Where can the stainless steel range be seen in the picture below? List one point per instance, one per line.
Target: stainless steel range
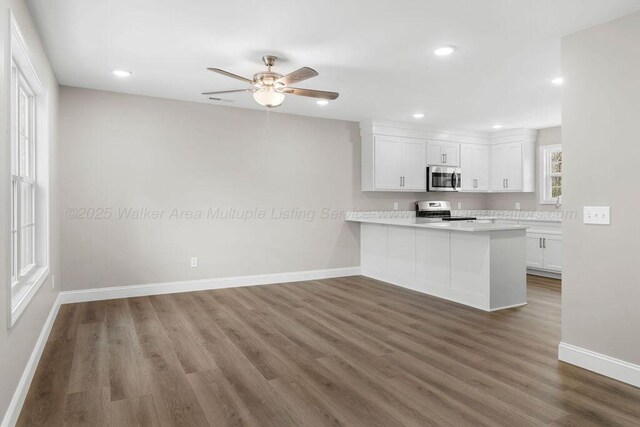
(432, 211)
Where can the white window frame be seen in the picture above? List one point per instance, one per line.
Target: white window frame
(546, 175)
(23, 284)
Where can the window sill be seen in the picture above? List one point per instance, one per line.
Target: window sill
(548, 202)
(26, 293)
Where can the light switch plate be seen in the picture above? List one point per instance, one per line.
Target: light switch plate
(517, 206)
(597, 215)
(194, 262)
(395, 206)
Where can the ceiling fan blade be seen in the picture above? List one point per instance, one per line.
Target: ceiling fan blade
(228, 91)
(228, 74)
(298, 75)
(322, 94)
(221, 99)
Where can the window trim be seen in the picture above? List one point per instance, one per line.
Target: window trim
(545, 198)
(16, 51)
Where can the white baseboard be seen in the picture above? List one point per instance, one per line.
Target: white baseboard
(15, 406)
(506, 307)
(600, 363)
(98, 294)
(544, 273)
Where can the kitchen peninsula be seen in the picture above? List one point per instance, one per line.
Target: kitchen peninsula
(482, 265)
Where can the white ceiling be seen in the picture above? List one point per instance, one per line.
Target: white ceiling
(377, 54)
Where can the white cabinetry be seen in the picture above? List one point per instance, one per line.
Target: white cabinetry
(506, 167)
(544, 252)
(513, 161)
(395, 157)
(443, 153)
(474, 162)
(399, 164)
(485, 270)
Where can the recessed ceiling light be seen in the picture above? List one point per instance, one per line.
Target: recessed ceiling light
(497, 126)
(322, 102)
(121, 73)
(418, 115)
(557, 81)
(445, 50)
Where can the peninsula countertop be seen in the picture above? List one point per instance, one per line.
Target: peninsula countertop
(410, 221)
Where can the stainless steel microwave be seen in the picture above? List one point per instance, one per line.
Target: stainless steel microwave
(443, 178)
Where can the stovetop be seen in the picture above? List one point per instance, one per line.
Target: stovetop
(432, 211)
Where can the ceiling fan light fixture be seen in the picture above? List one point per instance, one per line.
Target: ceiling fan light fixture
(268, 97)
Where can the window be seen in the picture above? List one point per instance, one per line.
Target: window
(551, 174)
(29, 223)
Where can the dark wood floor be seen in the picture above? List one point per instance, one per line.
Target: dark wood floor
(350, 351)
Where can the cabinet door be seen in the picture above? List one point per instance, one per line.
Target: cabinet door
(451, 154)
(433, 259)
(553, 253)
(480, 168)
(535, 253)
(514, 167)
(467, 158)
(387, 163)
(402, 251)
(498, 167)
(435, 153)
(414, 165)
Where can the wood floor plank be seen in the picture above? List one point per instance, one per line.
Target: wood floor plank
(192, 355)
(175, 402)
(222, 403)
(90, 367)
(134, 412)
(348, 351)
(127, 377)
(46, 399)
(87, 408)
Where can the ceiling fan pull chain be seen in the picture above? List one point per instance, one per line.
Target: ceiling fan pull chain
(268, 126)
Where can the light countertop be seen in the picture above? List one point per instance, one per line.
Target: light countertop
(444, 225)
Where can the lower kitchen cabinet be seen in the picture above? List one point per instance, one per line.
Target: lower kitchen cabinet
(544, 252)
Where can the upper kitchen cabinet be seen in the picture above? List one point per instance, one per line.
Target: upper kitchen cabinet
(474, 163)
(395, 157)
(443, 153)
(513, 161)
(399, 164)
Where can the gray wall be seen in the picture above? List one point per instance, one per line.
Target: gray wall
(132, 152)
(528, 201)
(601, 106)
(17, 343)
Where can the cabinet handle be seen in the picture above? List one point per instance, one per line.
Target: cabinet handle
(445, 158)
(507, 182)
(544, 242)
(441, 158)
(403, 181)
(540, 242)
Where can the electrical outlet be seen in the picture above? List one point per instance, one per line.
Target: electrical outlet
(395, 206)
(517, 206)
(597, 215)
(194, 262)
(459, 205)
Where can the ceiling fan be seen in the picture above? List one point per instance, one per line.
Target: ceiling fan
(269, 88)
